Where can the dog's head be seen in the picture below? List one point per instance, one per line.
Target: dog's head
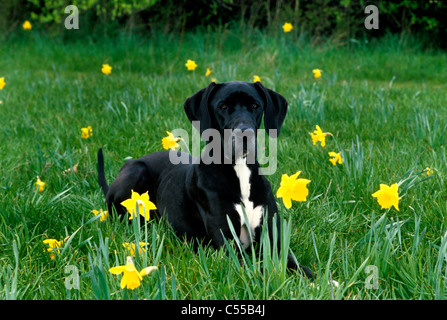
(235, 110)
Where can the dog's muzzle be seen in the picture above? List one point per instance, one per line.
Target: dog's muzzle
(240, 143)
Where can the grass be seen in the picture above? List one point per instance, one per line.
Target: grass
(384, 103)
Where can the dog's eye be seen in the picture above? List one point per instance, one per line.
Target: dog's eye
(223, 107)
(255, 106)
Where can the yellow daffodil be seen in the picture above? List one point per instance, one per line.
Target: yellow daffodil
(27, 25)
(292, 188)
(317, 73)
(103, 214)
(214, 80)
(387, 196)
(54, 245)
(256, 78)
(2, 83)
(131, 276)
(170, 142)
(191, 65)
(40, 185)
(208, 72)
(287, 27)
(140, 201)
(335, 157)
(428, 171)
(86, 132)
(106, 69)
(319, 136)
(131, 247)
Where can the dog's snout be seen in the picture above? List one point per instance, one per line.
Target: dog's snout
(243, 131)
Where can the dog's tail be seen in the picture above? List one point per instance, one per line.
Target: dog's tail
(101, 174)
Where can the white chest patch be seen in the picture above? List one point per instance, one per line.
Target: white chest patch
(254, 214)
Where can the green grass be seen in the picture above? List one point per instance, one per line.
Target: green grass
(384, 103)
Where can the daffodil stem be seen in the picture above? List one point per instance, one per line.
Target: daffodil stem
(126, 294)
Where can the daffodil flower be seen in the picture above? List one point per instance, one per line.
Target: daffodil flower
(106, 69)
(208, 72)
(103, 214)
(2, 83)
(335, 157)
(292, 188)
(86, 132)
(317, 73)
(40, 185)
(190, 65)
(141, 202)
(287, 27)
(54, 245)
(256, 78)
(27, 25)
(319, 136)
(387, 196)
(428, 171)
(170, 142)
(131, 247)
(131, 276)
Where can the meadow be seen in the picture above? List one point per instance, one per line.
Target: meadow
(383, 101)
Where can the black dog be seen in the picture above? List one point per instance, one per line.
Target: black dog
(197, 197)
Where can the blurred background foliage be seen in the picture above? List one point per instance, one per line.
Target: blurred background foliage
(320, 20)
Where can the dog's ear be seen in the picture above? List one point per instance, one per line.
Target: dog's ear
(196, 107)
(275, 108)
